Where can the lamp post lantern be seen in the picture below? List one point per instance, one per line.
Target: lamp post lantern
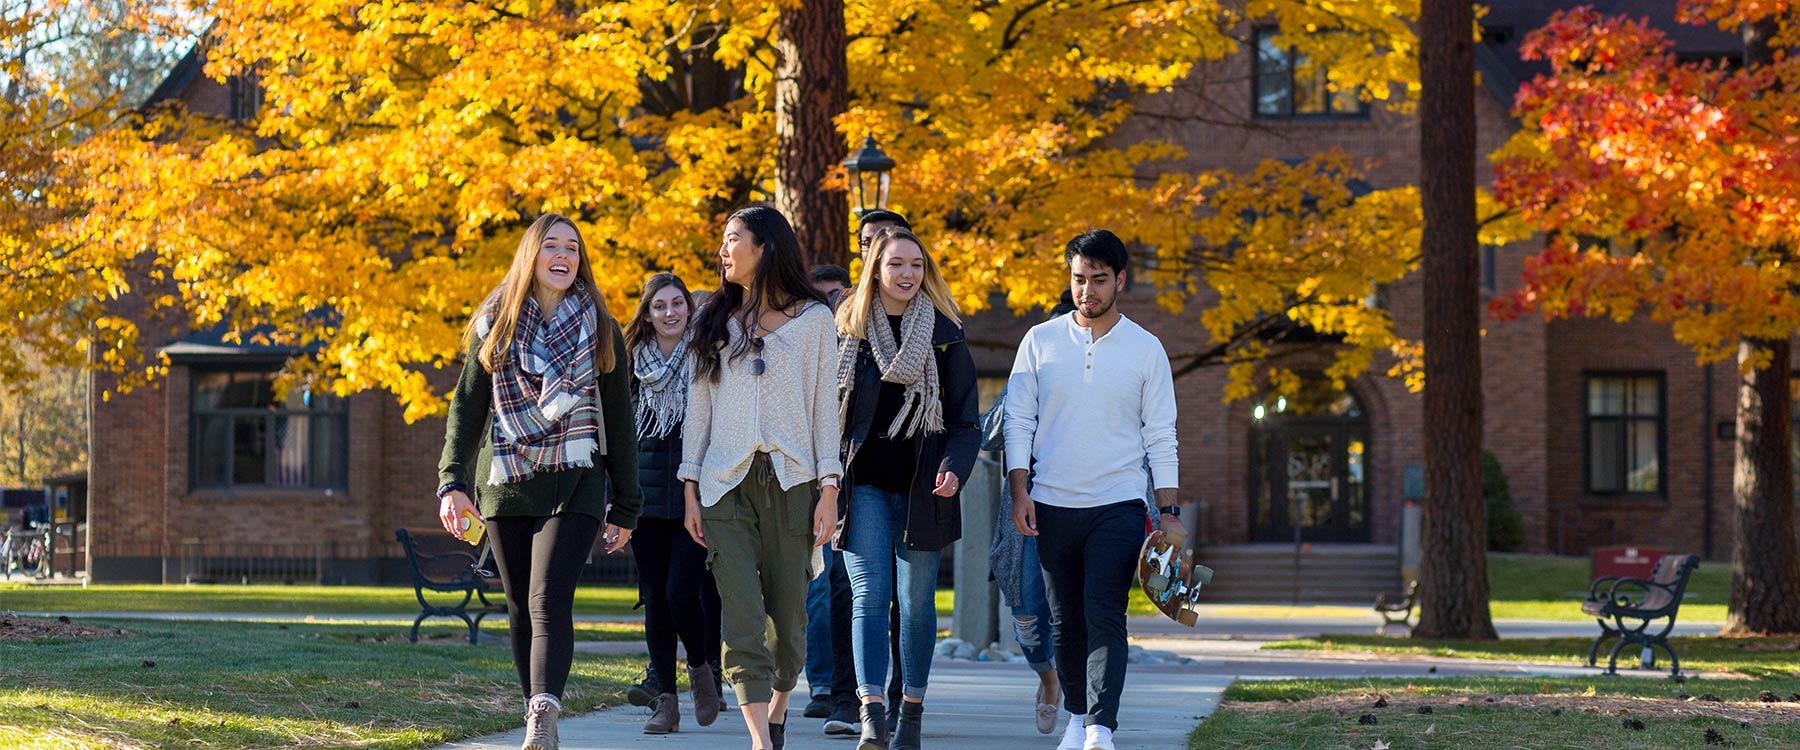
(868, 170)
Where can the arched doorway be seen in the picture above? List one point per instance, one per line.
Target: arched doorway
(1309, 466)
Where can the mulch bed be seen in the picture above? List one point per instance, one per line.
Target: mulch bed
(14, 628)
(1782, 709)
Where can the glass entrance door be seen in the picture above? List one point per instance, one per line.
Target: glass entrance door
(1311, 473)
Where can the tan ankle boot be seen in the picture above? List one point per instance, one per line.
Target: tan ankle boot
(665, 716)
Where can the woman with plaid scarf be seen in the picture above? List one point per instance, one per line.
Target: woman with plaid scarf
(541, 428)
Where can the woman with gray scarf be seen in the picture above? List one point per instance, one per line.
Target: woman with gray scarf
(680, 597)
(907, 395)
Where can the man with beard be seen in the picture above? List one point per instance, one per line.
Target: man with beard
(1090, 405)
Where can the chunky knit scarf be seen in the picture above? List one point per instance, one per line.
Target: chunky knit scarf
(910, 362)
(546, 409)
(662, 387)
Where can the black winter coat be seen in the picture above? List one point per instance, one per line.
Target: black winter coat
(658, 460)
(932, 522)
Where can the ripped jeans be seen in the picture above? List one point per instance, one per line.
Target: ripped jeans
(1031, 620)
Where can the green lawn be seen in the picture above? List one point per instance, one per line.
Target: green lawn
(1758, 657)
(1541, 588)
(1468, 712)
(261, 599)
(262, 685)
(1546, 588)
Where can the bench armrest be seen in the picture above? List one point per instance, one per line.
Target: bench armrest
(1632, 592)
(1599, 584)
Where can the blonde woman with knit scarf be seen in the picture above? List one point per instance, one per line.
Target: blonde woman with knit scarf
(540, 428)
(907, 396)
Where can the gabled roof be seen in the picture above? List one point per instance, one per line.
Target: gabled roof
(180, 77)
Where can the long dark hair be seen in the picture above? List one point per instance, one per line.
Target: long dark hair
(640, 329)
(780, 283)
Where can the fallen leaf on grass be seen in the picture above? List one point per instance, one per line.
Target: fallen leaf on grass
(1379, 745)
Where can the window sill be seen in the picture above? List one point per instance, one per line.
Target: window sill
(1624, 500)
(1327, 120)
(255, 494)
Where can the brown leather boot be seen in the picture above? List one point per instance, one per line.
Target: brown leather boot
(665, 715)
(706, 695)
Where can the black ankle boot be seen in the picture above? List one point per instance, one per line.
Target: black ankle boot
(778, 733)
(906, 736)
(874, 728)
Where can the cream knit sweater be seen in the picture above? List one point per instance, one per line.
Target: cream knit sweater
(789, 412)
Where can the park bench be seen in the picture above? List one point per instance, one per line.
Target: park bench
(452, 571)
(1634, 605)
(1396, 609)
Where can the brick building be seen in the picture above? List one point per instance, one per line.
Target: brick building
(1608, 433)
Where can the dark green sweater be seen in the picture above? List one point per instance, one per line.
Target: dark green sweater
(470, 431)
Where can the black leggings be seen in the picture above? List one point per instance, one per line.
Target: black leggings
(681, 599)
(540, 558)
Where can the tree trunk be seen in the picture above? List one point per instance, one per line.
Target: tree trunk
(1765, 565)
(811, 90)
(1453, 584)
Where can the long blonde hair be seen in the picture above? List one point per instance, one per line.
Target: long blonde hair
(507, 301)
(853, 311)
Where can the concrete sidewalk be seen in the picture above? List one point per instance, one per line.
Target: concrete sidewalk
(971, 705)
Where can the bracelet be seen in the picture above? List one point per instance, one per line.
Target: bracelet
(447, 487)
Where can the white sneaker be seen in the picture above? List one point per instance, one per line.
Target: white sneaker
(1074, 734)
(1098, 738)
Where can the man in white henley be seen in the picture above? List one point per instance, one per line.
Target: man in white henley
(1090, 403)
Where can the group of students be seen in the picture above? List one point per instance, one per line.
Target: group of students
(717, 439)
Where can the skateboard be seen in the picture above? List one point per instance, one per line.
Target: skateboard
(1168, 575)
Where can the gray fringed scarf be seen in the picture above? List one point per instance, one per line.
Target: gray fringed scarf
(662, 387)
(909, 362)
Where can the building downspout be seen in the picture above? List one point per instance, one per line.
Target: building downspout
(1709, 440)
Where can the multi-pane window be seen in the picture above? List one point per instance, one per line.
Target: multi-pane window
(1286, 86)
(243, 436)
(1625, 423)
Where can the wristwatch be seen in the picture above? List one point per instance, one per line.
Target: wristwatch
(1170, 510)
(829, 481)
(448, 486)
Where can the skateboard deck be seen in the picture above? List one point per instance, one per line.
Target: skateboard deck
(1169, 577)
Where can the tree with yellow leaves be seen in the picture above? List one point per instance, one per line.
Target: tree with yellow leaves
(400, 148)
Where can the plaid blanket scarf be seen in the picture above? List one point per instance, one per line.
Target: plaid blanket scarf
(546, 408)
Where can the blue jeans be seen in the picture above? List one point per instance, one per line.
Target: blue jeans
(818, 630)
(878, 561)
(1031, 619)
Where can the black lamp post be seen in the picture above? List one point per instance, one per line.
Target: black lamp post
(868, 170)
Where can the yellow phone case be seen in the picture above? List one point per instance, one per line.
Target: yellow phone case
(473, 528)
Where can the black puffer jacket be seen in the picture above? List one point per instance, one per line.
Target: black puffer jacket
(658, 458)
(932, 522)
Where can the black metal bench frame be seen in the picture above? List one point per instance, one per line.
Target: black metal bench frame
(469, 582)
(1618, 599)
(1396, 609)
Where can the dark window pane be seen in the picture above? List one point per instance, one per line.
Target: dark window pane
(1645, 468)
(250, 450)
(290, 443)
(1272, 76)
(211, 450)
(1646, 397)
(1606, 448)
(1606, 396)
(1311, 95)
(249, 390)
(327, 451)
(209, 389)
